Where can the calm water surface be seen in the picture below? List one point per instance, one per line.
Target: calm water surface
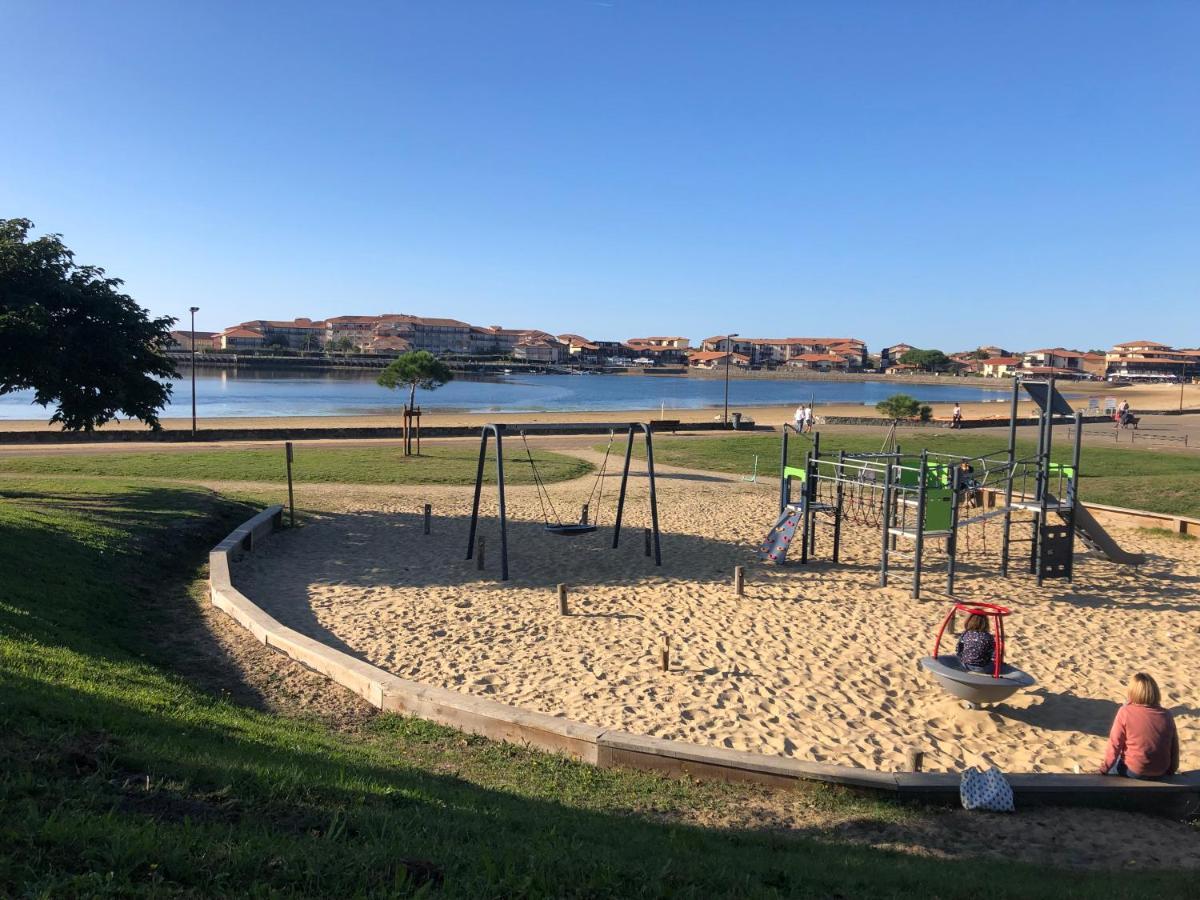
(262, 392)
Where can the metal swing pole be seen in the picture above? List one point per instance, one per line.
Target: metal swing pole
(483, 436)
(653, 495)
(624, 482)
(503, 516)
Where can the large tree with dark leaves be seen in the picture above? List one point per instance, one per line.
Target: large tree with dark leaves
(69, 334)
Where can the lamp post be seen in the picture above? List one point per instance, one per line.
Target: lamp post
(193, 310)
(728, 356)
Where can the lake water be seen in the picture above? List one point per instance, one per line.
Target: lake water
(261, 392)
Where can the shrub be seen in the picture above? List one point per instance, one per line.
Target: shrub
(898, 406)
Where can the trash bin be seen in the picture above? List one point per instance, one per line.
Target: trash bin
(736, 419)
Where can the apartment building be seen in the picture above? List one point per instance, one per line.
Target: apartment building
(1001, 366)
(238, 338)
(717, 359)
(1151, 361)
(663, 350)
(298, 334)
(779, 351)
(205, 340)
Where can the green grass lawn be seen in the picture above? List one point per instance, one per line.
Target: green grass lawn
(374, 465)
(119, 778)
(1140, 479)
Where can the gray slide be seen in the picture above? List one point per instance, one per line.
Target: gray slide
(1092, 534)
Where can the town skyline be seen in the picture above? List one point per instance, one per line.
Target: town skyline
(621, 169)
(390, 335)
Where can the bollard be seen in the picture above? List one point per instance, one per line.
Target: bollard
(666, 653)
(583, 515)
(915, 760)
(647, 536)
(479, 553)
(739, 580)
(428, 512)
(562, 600)
(291, 497)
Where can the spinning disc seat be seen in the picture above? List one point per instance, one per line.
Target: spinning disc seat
(976, 687)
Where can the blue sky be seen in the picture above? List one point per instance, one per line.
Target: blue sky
(939, 173)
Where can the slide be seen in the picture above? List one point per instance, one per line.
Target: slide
(779, 538)
(1094, 536)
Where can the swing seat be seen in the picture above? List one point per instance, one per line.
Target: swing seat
(571, 529)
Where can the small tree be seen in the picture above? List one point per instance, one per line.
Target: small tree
(898, 406)
(415, 369)
(71, 336)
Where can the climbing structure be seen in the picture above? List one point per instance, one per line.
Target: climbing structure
(916, 498)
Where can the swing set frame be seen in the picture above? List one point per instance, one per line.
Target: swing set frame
(499, 430)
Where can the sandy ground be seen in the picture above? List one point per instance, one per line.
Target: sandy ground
(814, 662)
(1164, 397)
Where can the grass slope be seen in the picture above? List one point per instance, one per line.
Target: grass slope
(375, 465)
(1140, 479)
(117, 778)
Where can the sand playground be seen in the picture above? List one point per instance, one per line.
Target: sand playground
(815, 662)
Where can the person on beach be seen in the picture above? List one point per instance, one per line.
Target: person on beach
(1123, 414)
(956, 417)
(798, 418)
(808, 419)
(1143, 742)
(976, 650)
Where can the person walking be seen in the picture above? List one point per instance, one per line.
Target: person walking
(956, 417)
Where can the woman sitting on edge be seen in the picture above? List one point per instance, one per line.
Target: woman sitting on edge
(976, 650)
(1143, 742)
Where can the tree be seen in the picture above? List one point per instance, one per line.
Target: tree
(929, 360)
(415, 369)
(71, 336)
(898, 406)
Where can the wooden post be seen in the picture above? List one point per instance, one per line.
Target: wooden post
(291, 496)
(916, 759)
(428, 513)
(666, 653)
(479, 553)
(562, 600)
(739, 580)
(647, 536)
(583, 515)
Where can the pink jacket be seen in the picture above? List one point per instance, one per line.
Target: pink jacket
(1145, 737)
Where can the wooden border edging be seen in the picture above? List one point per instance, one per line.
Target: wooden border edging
(605, 748)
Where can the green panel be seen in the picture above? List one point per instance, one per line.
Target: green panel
(937, 509)
(793, 472)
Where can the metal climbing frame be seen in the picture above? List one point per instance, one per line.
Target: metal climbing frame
(499, 430)
(920, 497)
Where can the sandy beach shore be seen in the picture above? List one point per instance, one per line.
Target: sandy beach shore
(814, 662)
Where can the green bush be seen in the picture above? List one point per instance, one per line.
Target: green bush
(898, 406)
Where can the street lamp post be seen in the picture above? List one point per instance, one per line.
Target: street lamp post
(193, 310)
(728, 357)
